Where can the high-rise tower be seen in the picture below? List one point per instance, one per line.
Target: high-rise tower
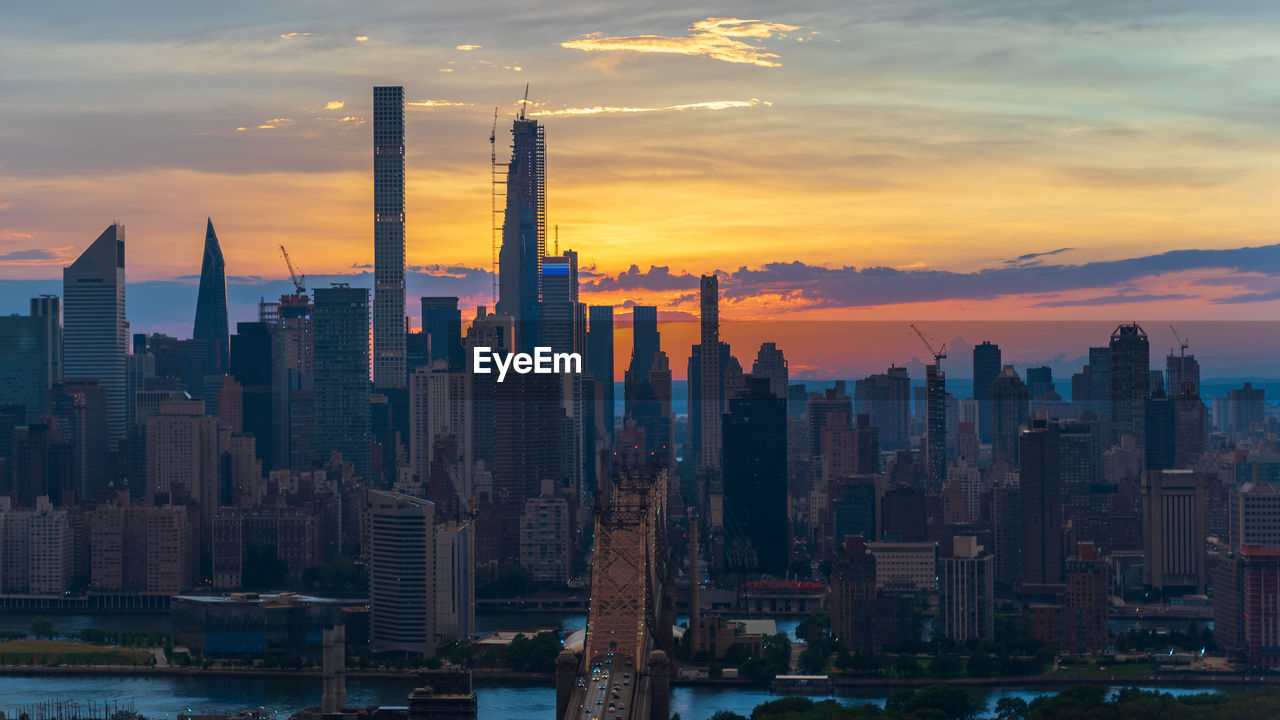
(211, 305)
(341, 336)
(524, 230)
(95, 331)
(389, 368)
(1130, 381)
(986, 366)
(709, 375)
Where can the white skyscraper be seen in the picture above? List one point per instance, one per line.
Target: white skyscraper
(95, 331)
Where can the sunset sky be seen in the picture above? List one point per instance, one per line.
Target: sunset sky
(831, 159)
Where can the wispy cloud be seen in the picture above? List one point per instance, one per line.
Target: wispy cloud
(609, 109)
(468, 48)
(7, 234)
(1034, 258)
(295, 35)
(729, 40)
(436, 103)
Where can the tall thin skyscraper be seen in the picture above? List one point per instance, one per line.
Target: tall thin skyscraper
(211, 305)
(1041, 480)
(558, 308)
(1010, 409)
(986, 366)
(709, 376)
(95, 330)
(1130, 382)
(389, 367)
(524, 230)
(442, 323)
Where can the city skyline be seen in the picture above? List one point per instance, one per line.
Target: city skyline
(1078, 210)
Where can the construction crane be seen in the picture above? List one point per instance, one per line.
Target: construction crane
(524, 103)
(494, 180)
(938, 355)
(297, 279)
(1183, 343)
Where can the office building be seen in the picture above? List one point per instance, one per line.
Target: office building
(389, 369)
(966, 592)
(402, 577)
(1039, 381)
(546, 537)
(771, 364)
(1180, 370)
(558, 309)
(211, 306)
(986, 366)
(906, 567)
(600, 361)
(1077, 623)
(863, 617)
(49, 309)
(95, 330)
(1040, 492)
(886, 399)
(1010, 409)
(709, 377)
(1254, 515)
(1159, 429)
(755, 472)
(24, 364)
(1130, 381)
(1173, 531)
(442, 326)
(340, 326)
(182, 456)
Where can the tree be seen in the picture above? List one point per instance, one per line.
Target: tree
(1011, 708)
(42, 627)
(952, 702)
(814, 628)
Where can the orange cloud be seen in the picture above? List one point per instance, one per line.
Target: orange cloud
(467, 48)
(608, 109)
(295, 35)
(334, 105)
(723, 39)
(436, 103)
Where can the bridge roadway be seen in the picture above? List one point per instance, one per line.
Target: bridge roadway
(610, 690)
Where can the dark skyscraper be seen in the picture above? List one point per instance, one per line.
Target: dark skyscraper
(755, 470)
(986, 366)
(1039, 381)
(524, 230)
(95, 330)
(1158, 423)
(1010, 407)
(1130, 381)
(442, 324)
(389, 356)
(340, 325)
(935, 383)
(251, 366)
(557, 310)
(49, 309)
(886, 398)
(600, 359)
(211, 305)
(1041, 496)
(709, 377)
(1181, 369)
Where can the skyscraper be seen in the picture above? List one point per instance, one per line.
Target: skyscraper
(389, 369)
(755, 462)
(95, 330)
(341, 329)
(709, 375)
(1041, 494)
(524, 230)
(771, 364)
(935, 383)
(557, 310)
(1130, 381)
(24, 365)
(1010, 407)
(1180, 369)
(49, 309)
(886, 398)
(986, 366)
(211, 305)
(442, 323)
(402, 583)
(600, 359)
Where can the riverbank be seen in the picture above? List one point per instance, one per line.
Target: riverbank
(482, 676)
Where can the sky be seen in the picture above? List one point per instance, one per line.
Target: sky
(830, 159)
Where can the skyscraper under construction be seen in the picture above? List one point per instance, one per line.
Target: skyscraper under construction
(524, 230)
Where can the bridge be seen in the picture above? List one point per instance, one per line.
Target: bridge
(623, 671)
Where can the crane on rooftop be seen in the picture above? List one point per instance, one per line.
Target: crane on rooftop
(297, 279)
(1183, 343)
(938, 355)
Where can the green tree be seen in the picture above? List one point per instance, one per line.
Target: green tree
(1011, 708)
(41, 627)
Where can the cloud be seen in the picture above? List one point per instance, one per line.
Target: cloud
(609, 109)
(334, 105)
(655, 278)
(295, 35)
(7, 234)
(34, 257)
(436, 103)
(468, 48)
(362, 38)
(1024, 259)
(805, 286)
(726, 39)
(1116, 299)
